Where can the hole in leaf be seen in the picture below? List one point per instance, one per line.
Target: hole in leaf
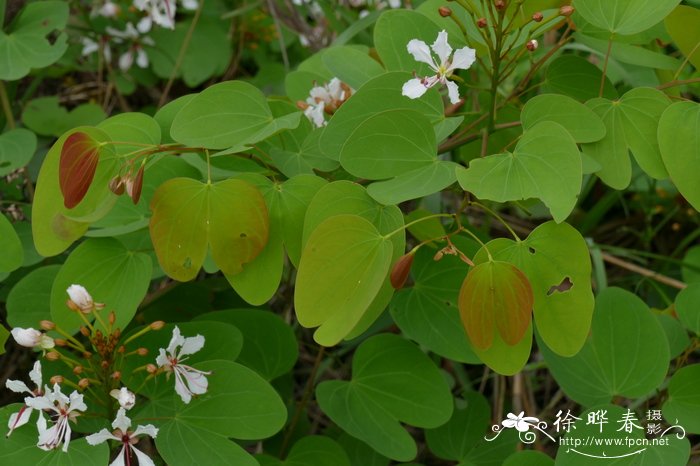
(562, 287)
(531, 249)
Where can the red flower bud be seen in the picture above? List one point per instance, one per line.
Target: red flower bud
(399, 273)
(481, 22)
(537, 17)
(444, 11)
(566, 10)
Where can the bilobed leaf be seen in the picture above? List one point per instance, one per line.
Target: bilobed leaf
(17, 147)
(388, 144)
(45, 116)
(626, 353)
(624, 17)
(53, 225)
(342, 268)
(631, 124)
(393, 31)
(25, 46)
(683, 403)
(556, 260)
(681, 24)
(545, 164)
(578, 78)
(415, 183)
(190, 216)
(495, 296)
(392, 382)
(507, 359)
(679, 142)
(12, 252)
(312, 450)
(112, 274)
(576, 118)
(76, 170)
(138, 129)
(222, 116)
(351, 66)
(687, 307)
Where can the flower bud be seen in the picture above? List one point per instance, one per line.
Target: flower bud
(125, 398)
(85, 331)
(116, 185)
(80, 299)
(60, 342)
(104, 364)
(116, 375)
(481, 23)
(112, 318)
(87, 354)
(151, 368)
(399, 272)
(499, 4)
(121, 349)
(444, 12)
(566, 10)
(537, 17)
(77, 370)
(157, 325)
(56, 379)
(142, 351)
(83, 383)
(53, 356)
(532, 45)
(47, 325)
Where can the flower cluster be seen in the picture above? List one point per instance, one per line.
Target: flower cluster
(104, 352)
(324, 100)
(444, 67)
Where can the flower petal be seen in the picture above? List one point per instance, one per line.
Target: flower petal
(119, 459)
(28, 337)
(441, 48)
(463, 58)
(452, 91)
(125, 398)
(101, 437)
(19, 419)
(421, 52)
(148, 429)
(141, 58)
(76, 402)
(35, 374)
(162, 359)
(196, 380)
(17, 386)
(121, 422)
(413, 88)
(143, 458)
(191, 345)
(181, 389)
(175, 341)
(39, 402)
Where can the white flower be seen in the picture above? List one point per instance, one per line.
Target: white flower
(17, 386)
(125, 398)
(171, 360)
(108, 9)
(80, 298)
(30, 338)
(64, 409)
(462, 59)
(135, 50)
(521, 422)
(127, 438)
(161, 12)
(326, 99)
(90, 46)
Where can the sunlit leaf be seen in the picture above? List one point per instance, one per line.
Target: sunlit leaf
(624, 17)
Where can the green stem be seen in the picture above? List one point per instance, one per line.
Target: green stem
(497, 217)
(605, 67)
(478, 240)
(410, 224)
(6, 108)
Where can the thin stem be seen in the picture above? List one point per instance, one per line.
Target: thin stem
(6, 108)
(478, 240)
(605, 67)
(685, 62)
(181, 54)
(672, 282)
(206, 151)
(497, 217)
(303, 402)
(418, 220)
(678, 83)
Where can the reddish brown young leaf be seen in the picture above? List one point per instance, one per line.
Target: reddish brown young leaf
(399, 273)
(495, 295)
(79, 156)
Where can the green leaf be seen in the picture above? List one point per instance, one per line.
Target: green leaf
(545, 165)
(313, 450)
(392, 382)
(351, 66)
(341, 270)
(632, 54)
(631, 126)
(427, 312)
(297, 84)
(676, 335)
(20, 448)
(167, 113)
(195, 67)
(46, 117)
(25, 46)
(17, 148)
(687, 307)
(690, 271)
(576, 118)
(681, 24)
(414, 184)
(388, 144)
(12, 252)
(189, 216)
(464, 431)
(578, 78)
(222, 116)
(270, 346)
(556, 260)
(495, 297)
(624, 17)
(679, 142)
(183, 444)
(360, 453)
(29, 301)
(626, 354)
(54, 227)
(137, 128)
(683, 403)
(377, 95)
(393, 31)
(112, 274)
(529, 458)
(506, 359)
